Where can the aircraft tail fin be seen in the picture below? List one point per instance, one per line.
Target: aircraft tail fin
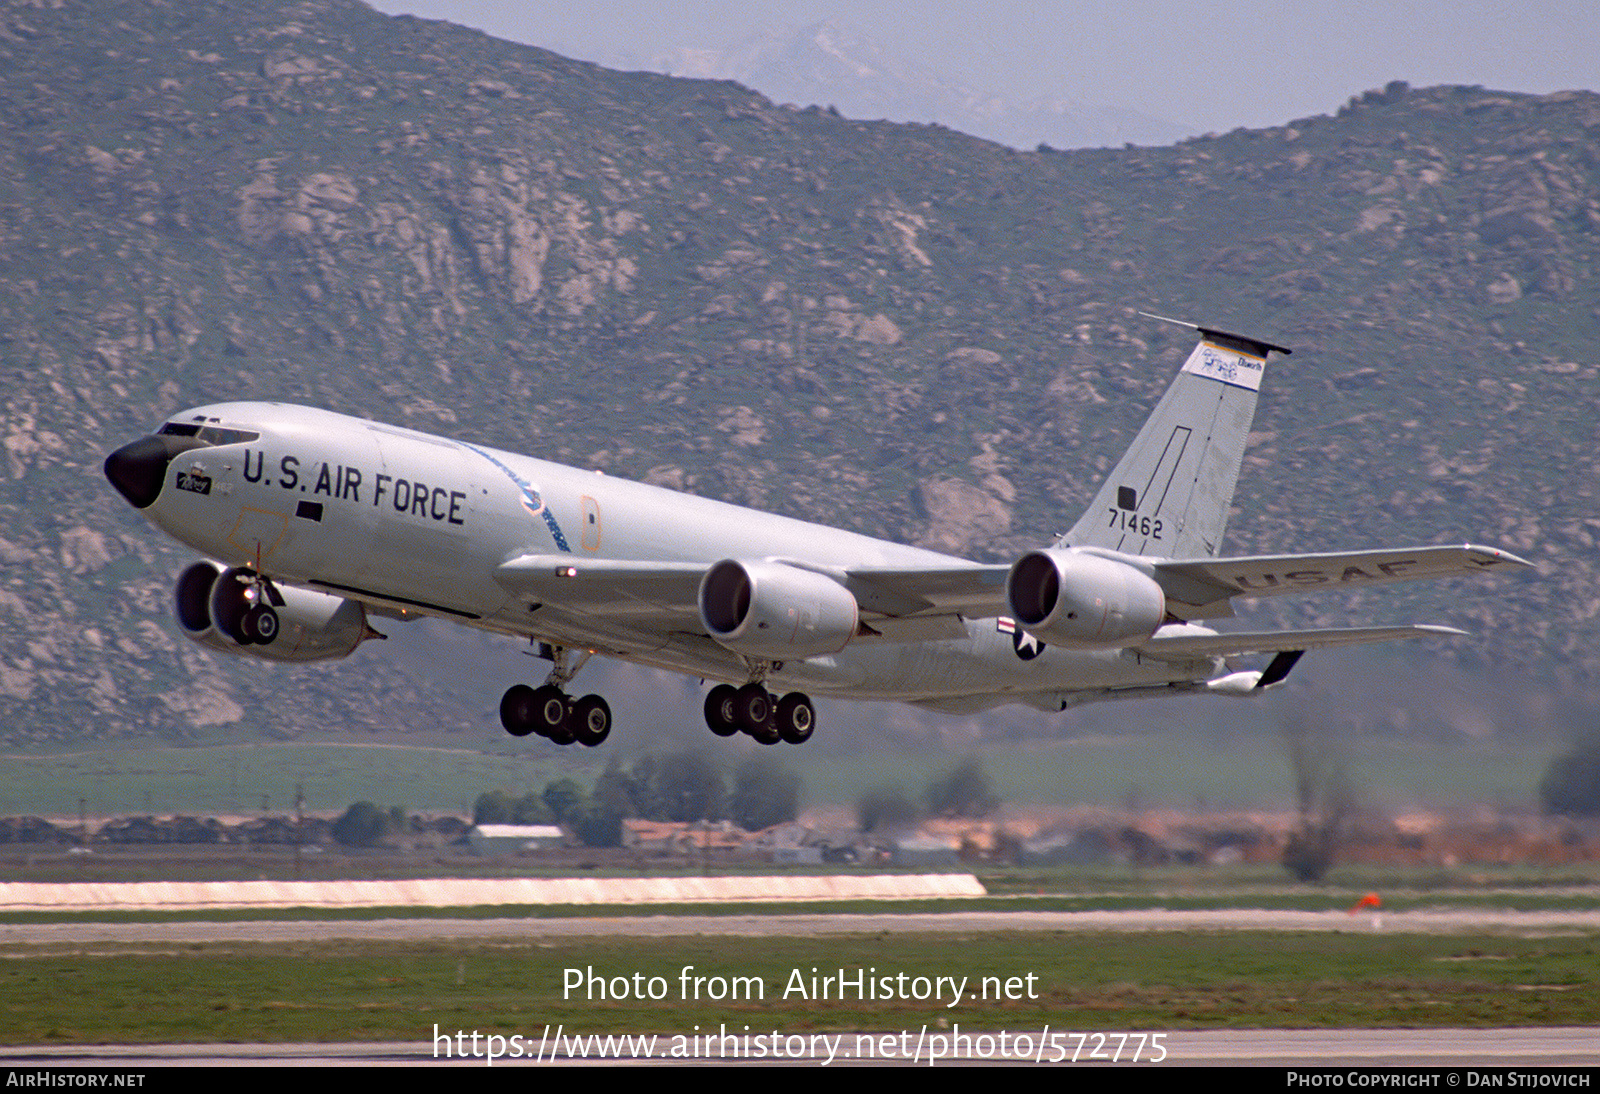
(1169, 494)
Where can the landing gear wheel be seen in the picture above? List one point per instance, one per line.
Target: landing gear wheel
(516, 710)
(590, 720)
(795, 718)
(260, 624)
(550, 706)
(720, 710)
(752, 709)
(230, 606)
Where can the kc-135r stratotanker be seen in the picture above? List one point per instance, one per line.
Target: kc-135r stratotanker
(312, 522)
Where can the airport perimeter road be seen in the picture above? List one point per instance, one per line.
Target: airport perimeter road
(660, 926)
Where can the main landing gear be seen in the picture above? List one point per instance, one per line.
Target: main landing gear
(756, 711)
(558, 717)
(551, 712)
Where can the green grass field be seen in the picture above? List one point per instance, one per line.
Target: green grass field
(379, 991)
(1147, 768)
(82, 993)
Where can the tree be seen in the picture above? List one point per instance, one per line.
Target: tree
(362, 825)
(494, 807)
(643, 784)
(964, 791)
(560, 797)
(615, 790)
(532, 808)
(596, 824)
(765, 792)
(679, 786)
(1571, 784)
(691, 787)
(884, 809)
(1323, 795)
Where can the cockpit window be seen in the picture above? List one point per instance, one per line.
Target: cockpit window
(210, 434)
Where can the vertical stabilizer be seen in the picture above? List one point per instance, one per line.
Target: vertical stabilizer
(1169, 494)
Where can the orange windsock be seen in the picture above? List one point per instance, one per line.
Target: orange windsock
(1371, 900)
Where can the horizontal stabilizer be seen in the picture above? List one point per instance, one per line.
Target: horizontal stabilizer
(1200, 588)
(1243, 343)
(1226, 645)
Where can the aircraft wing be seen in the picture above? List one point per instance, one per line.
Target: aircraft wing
(665, 595)
(901, 604)
(1183, 646)
(1202, 587)
(662, 595)
(970, 590)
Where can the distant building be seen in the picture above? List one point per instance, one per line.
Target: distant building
(511, 839)
(720, 838)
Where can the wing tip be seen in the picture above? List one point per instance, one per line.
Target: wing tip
(1488, 557)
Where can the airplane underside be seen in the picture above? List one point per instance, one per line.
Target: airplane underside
(770, 702)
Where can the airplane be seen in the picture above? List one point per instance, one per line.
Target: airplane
(312, 523)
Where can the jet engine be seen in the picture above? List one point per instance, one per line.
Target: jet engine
(228, 610)
(775, 611)
(1083, 601)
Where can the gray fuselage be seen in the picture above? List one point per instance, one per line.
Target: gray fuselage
(405, 520)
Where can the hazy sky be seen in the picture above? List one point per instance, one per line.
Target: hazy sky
(1210, 66)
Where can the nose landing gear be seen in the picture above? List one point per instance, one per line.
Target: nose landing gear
(243, 603)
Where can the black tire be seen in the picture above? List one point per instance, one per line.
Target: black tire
(516, 710)
(752, 709)
(796, 718)
(260, 624)
(590, 720)
(551, 708)
(229, 608)
(720, 710)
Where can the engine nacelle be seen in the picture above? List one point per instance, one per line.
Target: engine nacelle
(1083, 601)
(211, 602)
(774, 611)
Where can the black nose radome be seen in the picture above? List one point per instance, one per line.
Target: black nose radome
(137, 470)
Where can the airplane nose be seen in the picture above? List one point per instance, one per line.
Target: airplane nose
(138, 470)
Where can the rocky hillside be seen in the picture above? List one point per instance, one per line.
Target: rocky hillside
(896, 329)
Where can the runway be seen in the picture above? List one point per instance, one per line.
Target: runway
(757, 926)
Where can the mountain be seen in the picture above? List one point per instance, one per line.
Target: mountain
(828, 64)
(892, 328)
